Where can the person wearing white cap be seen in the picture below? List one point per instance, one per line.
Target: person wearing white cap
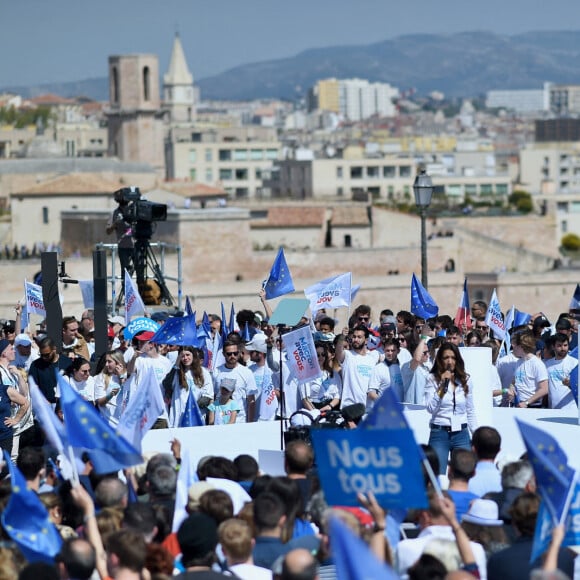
(24, 354)
(267, 399)
(482, 524)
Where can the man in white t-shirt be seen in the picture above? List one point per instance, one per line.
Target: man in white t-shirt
(388, 372)
(232, 373)
(559, 368)
(267, 399)
(357, 365)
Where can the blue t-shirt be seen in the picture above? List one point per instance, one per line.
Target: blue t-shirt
(461, 499)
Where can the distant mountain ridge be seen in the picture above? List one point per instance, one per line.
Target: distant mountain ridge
(461, 64)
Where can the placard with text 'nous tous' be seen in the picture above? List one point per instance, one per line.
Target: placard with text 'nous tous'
(386, 462)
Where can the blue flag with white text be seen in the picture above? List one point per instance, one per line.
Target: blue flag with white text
(422, 304)
(27, 522)
(279, 281)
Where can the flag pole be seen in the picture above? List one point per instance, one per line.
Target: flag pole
(569, 499)
(75, 481)
(432, 477)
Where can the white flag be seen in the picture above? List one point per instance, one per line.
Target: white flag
(134, 305)
(88, 292)
(144, 407)
(301, 354)
(34, 299)
(493, 317)
(330, 293)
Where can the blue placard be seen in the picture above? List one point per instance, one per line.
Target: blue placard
(386, 462)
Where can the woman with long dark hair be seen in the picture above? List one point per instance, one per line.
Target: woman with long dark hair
(78, 375)
(449, 399)
(189, 376)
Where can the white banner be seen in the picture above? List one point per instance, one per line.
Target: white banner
(134, 305)
(301, 354)
(330, 293)
(144, 407)
(34, 299)
(494, 319)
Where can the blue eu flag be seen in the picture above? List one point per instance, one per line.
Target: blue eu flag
(86, 428)
(177, 331)
(26, 520)
(279, 281)
(554, 477)
(422, 304)
(188, 308)
(192, 415)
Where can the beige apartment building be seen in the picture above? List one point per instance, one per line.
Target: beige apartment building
(550, 172)
(234, 159)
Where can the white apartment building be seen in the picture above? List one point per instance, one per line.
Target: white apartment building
(520, 101)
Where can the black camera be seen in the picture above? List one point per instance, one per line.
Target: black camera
(137, 209)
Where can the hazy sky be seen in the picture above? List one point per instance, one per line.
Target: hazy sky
(64, 40)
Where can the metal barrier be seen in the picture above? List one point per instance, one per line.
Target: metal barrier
(161, 249)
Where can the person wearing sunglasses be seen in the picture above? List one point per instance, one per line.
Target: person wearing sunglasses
(238, 380)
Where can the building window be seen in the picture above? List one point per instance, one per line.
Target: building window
(225, 155)
(405, 171)
(225, 174)
(258, 173)
(70, 148)
(356, 172)
(192, 174)
(196, 137)
(486, 189)
(242, 192)
(257, 154)
(339, 172)
(339, 191)
(470, 189)
(208, 155)
(192, 155)
(564, 226)
(389, 171)
(45, 215)
(348, 241)
(241, 174)
(240, 155)
(375, 192)
(146, 83)
(562, 206)
(208, 175)
(501, 188)
(391, 191)
(271, 153)
(373, 172)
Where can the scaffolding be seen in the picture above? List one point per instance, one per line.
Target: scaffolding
(161, 249)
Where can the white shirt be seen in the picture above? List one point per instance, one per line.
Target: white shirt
(560, 395)
(454, 409)
(356, 374)
(530, 372)
(117, 403)
(180, 395)
(267, 401)
(251, 572)
(506, 367)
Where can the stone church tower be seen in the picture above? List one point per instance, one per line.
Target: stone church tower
(135, 118)
(178, 94)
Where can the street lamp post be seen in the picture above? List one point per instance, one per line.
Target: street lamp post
(423, 190)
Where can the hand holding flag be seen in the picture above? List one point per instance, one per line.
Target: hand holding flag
(463, 316)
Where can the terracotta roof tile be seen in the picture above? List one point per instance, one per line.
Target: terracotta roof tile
(194, 189)
(296, 217)
(350, 216)
(50, 99)
(73, 183)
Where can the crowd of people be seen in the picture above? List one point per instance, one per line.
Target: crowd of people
(242, 523)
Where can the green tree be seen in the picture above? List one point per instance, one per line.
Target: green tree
(522, 201)
(571, 242)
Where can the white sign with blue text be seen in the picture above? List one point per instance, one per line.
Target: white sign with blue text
(386, 462)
